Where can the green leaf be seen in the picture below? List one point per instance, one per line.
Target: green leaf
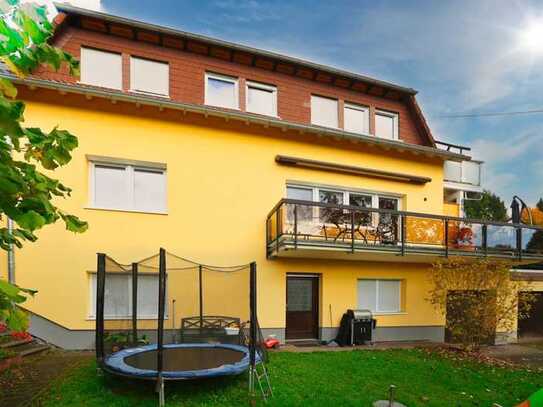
(30, 220)
(7, 88)
(74, 224)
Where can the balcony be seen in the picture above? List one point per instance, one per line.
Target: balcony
(463, 174)
(304, 229)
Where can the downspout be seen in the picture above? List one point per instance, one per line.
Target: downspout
(11, 255)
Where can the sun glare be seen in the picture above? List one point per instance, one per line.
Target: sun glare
(531, 37)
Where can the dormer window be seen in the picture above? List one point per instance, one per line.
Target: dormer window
(150, 77)
(261, 98)
(101, 68)
(356, 118)
(324, 111)
(386, 125)
(221, 91)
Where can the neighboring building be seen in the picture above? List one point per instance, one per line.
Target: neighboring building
(228, 154)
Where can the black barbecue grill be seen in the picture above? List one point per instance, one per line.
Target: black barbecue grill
(362, 326)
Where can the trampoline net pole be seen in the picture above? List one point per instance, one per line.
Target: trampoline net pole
(161, 304)
(135, 304)
(100, 289)
(253, 319)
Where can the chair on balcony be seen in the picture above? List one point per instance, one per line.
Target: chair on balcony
(386, 232)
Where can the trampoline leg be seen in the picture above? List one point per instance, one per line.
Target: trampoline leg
(160, 390)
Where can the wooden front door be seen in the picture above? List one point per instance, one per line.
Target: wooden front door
(302, 307)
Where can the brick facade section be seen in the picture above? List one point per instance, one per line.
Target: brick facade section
(187, 71)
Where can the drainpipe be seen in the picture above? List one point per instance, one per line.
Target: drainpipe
(11, 256)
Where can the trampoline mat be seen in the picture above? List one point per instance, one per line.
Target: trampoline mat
(186, 358)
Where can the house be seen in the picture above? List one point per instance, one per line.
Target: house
(330, 180)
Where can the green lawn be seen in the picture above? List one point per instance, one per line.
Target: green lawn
(336, 379)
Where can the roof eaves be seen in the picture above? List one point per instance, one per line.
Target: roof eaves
(241, 116)
(69, 9)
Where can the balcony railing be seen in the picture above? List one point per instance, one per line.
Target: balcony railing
(294, 227)
(465, 172)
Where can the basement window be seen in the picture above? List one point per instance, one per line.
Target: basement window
(356, 118)
(118, 296)
(101, 68)
(149, 77)
(261, 99)
(379, 296)
(221, 91)
(324, 111)
(130, 187)
(386, 125)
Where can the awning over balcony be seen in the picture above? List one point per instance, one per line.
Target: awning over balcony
(307, 229)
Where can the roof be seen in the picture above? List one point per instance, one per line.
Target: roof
(162, 103)
(69, 9)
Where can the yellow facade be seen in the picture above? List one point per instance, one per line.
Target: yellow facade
(221, 184)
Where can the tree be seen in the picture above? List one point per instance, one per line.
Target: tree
(477, 297)
(490, 207)
(26, 193)
(539, 204)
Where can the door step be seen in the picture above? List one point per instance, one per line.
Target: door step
(303, 342)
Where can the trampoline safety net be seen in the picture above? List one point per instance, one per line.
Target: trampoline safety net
(166, 299)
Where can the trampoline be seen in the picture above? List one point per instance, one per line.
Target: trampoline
(151, 324)
(181, 361)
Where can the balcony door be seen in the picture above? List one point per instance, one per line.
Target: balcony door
(302, 319)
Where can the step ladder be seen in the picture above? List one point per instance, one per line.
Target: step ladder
(259, 374)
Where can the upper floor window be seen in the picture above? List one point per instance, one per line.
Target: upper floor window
(386, 125)
(356, 118)
(324, 111)
(132, 187)
(221, 91)
(101, 68)
(261, 98)
(149, 76)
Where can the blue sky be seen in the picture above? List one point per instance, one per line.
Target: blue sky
(462, 57)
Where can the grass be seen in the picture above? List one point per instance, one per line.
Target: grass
(336, 379)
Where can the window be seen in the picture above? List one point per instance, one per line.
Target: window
(386, 125)
(356, 118)
(128, 187)
(324, 111)
(221, 91)
(261, 99)
(303, 213)
(380, 296)
(149, 76)
(118, 296)
(341, 196)
(101, 68)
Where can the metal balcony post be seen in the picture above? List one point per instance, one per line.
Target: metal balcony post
(352, 231)
(277, 228)
(446, 237)
(295, 226)
(402, 231)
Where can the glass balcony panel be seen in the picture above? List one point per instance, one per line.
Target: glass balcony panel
(424, 231)
(532, 241)
(501, 238)
(465, 236)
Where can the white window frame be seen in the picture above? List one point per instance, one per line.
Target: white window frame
(361, 108)
(83, 49)
(262, 86)
(377, 291)
(395, 123)
(225, 78)
(146, 92)
(130, 168)
(346, 193)
(92, 299)
(313, 122)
